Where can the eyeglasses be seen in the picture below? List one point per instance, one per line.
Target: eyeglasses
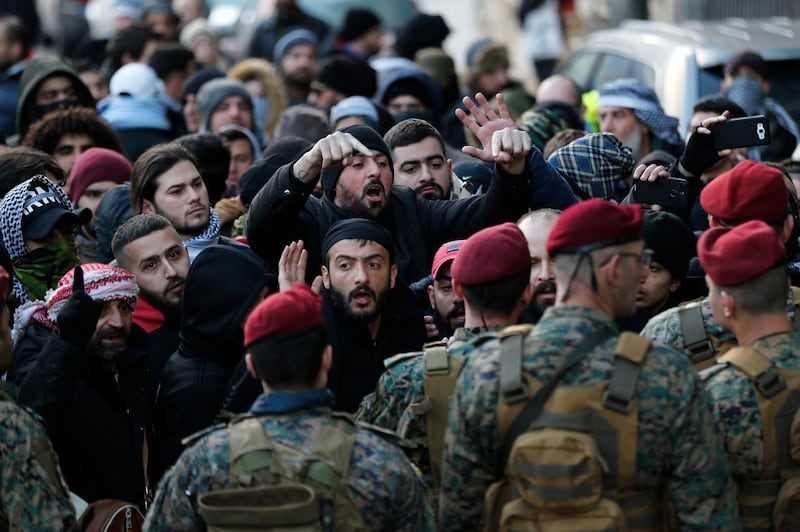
(646, 256)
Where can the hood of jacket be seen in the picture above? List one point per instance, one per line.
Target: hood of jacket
(124, 112)
(37, 69)
(221, 287)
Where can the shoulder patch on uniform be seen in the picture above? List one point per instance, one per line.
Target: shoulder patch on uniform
(394, 359)
(191, 439)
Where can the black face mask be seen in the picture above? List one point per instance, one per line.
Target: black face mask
(38, 111)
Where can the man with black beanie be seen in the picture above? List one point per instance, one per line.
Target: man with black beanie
(356, 170)
(361, 34)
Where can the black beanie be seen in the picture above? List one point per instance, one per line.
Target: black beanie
(671, 240)
(348, 75)
(358, 229)
(369, 138)
(357, 22)
(408, 86)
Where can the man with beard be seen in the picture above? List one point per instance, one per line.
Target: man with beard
(369, 315)
(420, 161)
(632, 112)
(149, 247)
(90, 383)
(491, 276)
(536, 226)
(295, 56)
(355, 167)
(447, 305)
(165, 181)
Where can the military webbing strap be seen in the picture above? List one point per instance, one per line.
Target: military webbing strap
(696, 342)
(513, 387)
(534, 405)
(439, 380)
(630, 352)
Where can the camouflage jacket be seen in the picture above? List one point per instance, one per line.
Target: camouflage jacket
(402, 385)
(666, 326)
(381, 482)
(30, 499)
(734, 404)
(678, 447)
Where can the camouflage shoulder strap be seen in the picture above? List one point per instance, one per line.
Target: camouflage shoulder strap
(696, 343)
(629, 355)
(439, 380)
(513, 387)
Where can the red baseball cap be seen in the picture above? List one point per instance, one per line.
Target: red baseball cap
(446, 253)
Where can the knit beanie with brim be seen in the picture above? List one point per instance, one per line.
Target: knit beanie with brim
(369, 138)
(212, 93)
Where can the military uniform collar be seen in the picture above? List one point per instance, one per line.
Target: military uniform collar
(285, 402)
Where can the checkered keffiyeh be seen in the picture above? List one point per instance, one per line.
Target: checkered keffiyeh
(643, 101)
(101, 281)
(595, 162)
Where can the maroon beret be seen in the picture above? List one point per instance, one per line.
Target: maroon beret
(748, 191)
(283, 313)
(446, 253)
(595, 221)
(491, 254)
(734, 255)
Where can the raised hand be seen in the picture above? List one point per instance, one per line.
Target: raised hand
(335, 150)
(77, 319)
(484, 122)
(292, 268)
(700, 154)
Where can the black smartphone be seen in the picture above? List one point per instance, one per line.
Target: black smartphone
(669, 192)
(741, 132)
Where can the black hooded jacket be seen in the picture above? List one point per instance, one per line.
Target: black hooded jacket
(222, 285)
(37, 69)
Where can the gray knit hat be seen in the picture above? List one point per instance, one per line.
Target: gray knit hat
(213, 92)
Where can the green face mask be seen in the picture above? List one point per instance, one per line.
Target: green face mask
(41, 269)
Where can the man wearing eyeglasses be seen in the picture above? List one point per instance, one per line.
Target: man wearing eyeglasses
(640, 403)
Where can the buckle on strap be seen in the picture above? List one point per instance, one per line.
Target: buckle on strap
(619, 404)
(769, 383)
(700, 351)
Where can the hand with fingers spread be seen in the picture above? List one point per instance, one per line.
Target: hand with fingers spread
(292, 268)
(484, 122)
(334, 151)
(700, 154)
(77, 319)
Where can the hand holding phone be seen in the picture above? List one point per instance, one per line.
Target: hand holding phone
(669, 192)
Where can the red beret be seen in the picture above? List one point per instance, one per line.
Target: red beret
(491, 254)
(734, 255)
(283, 313)
(748, 191)
(595, 221)
(445, 254)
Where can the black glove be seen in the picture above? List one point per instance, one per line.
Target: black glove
(77, 319)
(699, 154)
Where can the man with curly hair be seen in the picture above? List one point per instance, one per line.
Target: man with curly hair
(67, 133)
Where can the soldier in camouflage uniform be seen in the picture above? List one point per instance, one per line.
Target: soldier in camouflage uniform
(746, 272)
(288, 351)
(476, 274)
(749, 191)
(599, 261)
(33, 494)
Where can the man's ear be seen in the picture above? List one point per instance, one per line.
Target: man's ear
(326, 278)
(393, 274)
(674, 285)
(148, 207)
(248, 360)
(729, 306)
(430, 295)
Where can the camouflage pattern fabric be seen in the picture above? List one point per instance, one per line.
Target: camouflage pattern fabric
(400, 386)
(678, 447)
(31, 500)
(666, 327)
(734, 404)
(380, 480)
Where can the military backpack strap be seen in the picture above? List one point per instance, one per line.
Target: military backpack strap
(513, 387)
(533, 407)
(696, 343)
(758, 368)
(253, 457)
(439, 381)
(629, 355)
